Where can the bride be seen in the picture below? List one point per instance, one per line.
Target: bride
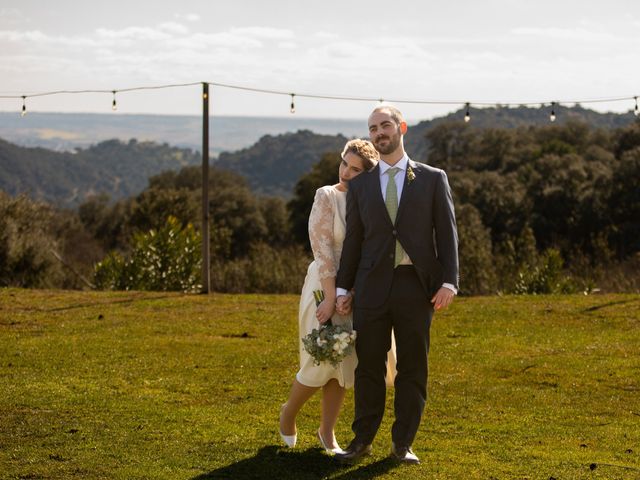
(326, 234)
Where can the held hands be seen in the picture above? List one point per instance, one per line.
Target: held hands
(344, 304)
(442, 298)
(325, 310)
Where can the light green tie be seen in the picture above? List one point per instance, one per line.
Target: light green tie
(391, 201)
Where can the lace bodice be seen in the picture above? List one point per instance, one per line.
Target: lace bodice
(327, 228)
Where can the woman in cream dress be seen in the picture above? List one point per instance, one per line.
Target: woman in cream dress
(326, 234)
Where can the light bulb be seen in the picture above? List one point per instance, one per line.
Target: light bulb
(467, 115)
(114, 105)
(552, 117)
(24, 106)
(293, 105)
(635, 111)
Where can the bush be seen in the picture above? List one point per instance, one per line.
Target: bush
(544, 277)
(26, 242)
(166, 259)
(265, 270)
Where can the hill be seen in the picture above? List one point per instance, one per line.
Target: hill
(66, 179)
(272, 165)
(503, 117)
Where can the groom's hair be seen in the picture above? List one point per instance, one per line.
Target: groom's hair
(395, 114)
(365, 150)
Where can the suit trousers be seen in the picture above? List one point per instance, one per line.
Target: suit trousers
(408, 311)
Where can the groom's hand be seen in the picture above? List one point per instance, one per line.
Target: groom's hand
(442, 298)
(343, 304)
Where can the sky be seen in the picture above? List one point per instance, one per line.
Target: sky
(489, 51)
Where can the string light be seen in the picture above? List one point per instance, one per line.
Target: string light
(552, 117)
(24, 106)
(335, 97)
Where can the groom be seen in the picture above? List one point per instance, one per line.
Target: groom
(400, 255)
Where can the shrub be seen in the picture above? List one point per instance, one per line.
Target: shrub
(265, 270)
(166, 259)
(544, 277)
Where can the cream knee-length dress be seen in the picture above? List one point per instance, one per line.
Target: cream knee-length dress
(327, 229)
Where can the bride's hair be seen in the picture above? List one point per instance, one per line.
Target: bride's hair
(365, 150)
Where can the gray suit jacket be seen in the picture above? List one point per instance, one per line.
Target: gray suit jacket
(425, 225)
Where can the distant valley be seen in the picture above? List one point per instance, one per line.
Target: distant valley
(67, 131)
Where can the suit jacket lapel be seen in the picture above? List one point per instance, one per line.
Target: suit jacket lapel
(407, 190)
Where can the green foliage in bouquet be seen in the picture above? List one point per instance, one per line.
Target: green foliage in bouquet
(329, 343)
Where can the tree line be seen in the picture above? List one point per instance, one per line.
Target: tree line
(540, 209)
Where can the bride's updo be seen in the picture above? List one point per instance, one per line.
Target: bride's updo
(365, 150)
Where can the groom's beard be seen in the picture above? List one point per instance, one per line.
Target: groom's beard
(393, 143)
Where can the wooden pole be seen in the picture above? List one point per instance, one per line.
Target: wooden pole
(206, 262)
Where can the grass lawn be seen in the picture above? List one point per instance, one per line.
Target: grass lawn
(169, 386)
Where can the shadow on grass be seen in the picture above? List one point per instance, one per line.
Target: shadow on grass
(605, 305)
(123, 301)
(275, 462)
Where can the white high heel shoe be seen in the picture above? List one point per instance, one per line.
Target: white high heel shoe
(289, 440)
(331, 451)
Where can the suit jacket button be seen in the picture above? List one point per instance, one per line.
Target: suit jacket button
(395, 233)
(391, 255)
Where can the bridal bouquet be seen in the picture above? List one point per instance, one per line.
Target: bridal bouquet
(329, 343)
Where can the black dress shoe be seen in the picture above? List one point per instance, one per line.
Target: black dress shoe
(403, 454)
(353, 453)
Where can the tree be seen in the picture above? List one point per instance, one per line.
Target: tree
(26, 242)
(624, 205)
(477, 267)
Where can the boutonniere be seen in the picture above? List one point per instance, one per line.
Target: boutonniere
(410, 175)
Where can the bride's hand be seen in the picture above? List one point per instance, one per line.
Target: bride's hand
(325, 310)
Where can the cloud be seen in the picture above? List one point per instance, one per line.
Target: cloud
(202, 41)
(263, 32)
(189, 17)
(12, 16)
(34, 39)
(580, 34)
(132, 33)
(287, 45)
(326, 35)
(173, 28)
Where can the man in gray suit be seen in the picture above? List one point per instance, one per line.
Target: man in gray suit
(400, 257)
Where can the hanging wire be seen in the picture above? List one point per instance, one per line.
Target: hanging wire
(327, 97)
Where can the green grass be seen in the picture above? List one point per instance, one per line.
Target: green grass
(170, 386)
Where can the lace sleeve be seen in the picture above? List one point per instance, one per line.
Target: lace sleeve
(321, 234)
